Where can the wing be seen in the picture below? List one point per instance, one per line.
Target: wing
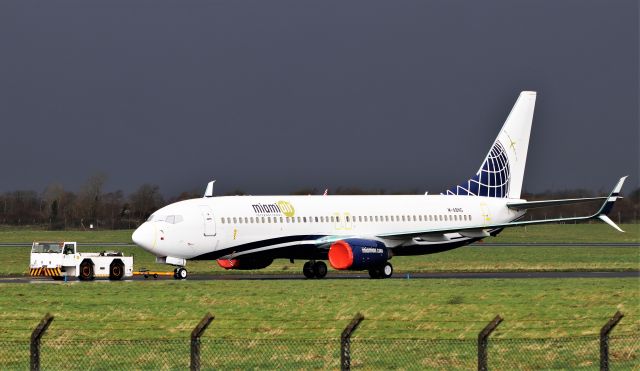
(549, 203)
(484, 230)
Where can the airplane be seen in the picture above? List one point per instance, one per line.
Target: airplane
(357, 232)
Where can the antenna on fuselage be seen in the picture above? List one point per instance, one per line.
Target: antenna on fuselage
(209, 191)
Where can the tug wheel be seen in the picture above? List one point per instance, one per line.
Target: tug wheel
(86, 271)
(116, 270)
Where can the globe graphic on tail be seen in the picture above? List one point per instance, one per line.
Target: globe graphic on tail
(492, 180)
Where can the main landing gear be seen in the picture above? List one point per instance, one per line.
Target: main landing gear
(314, 269)
(180, 273)
(384, 271)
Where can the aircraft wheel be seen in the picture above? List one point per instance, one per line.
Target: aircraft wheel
(387, 270)
(375, 273)
(307, 270)
(320, 269)
(181, 273)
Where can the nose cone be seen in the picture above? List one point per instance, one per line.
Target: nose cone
(144, 236)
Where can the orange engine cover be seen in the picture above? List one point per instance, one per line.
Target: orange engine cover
(340, 255)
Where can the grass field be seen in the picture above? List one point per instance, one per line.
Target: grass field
(287, 314)
(454, 309)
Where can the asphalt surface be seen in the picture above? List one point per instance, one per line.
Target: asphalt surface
(363, 275)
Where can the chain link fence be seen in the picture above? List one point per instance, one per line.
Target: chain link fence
(369, 354)
(267, 354)
(114, 354)
(550, 353)
(364, 353)
(416, 354)
(14, 354)
(625, 351)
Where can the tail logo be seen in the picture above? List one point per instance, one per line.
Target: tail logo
(512, 145)
(492, 180)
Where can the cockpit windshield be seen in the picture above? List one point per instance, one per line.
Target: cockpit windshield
(171, 219)
(47, 247)
(174, 219)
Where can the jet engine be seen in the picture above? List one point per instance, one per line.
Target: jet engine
(245, 263)
(358, 254)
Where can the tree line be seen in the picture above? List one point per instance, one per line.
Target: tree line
(92, 207)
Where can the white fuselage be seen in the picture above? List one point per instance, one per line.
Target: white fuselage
(232, 226)
(265, 227)
(356, 232)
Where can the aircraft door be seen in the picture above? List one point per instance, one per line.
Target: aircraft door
(209, 221)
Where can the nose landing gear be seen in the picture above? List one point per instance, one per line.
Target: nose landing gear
(314, 269)
(180, 273)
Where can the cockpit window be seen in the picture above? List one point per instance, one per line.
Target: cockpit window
(173, 219)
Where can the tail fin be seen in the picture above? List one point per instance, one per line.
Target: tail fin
(502, 171)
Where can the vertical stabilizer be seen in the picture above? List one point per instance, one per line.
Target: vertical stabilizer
(502, 171)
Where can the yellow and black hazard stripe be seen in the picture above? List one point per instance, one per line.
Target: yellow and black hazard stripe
(49, 272)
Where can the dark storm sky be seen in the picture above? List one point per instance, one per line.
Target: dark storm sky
(272, 96)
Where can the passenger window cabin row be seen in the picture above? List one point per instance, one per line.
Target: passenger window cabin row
(346, 218)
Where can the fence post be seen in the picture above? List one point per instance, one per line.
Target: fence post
(345, 342)
(195, 341)
(604, 339)
(483, 337)
(36, 335)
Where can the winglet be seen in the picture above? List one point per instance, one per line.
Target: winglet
(613, 196)
(608, 204)
(618, 187)
(209, 191)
